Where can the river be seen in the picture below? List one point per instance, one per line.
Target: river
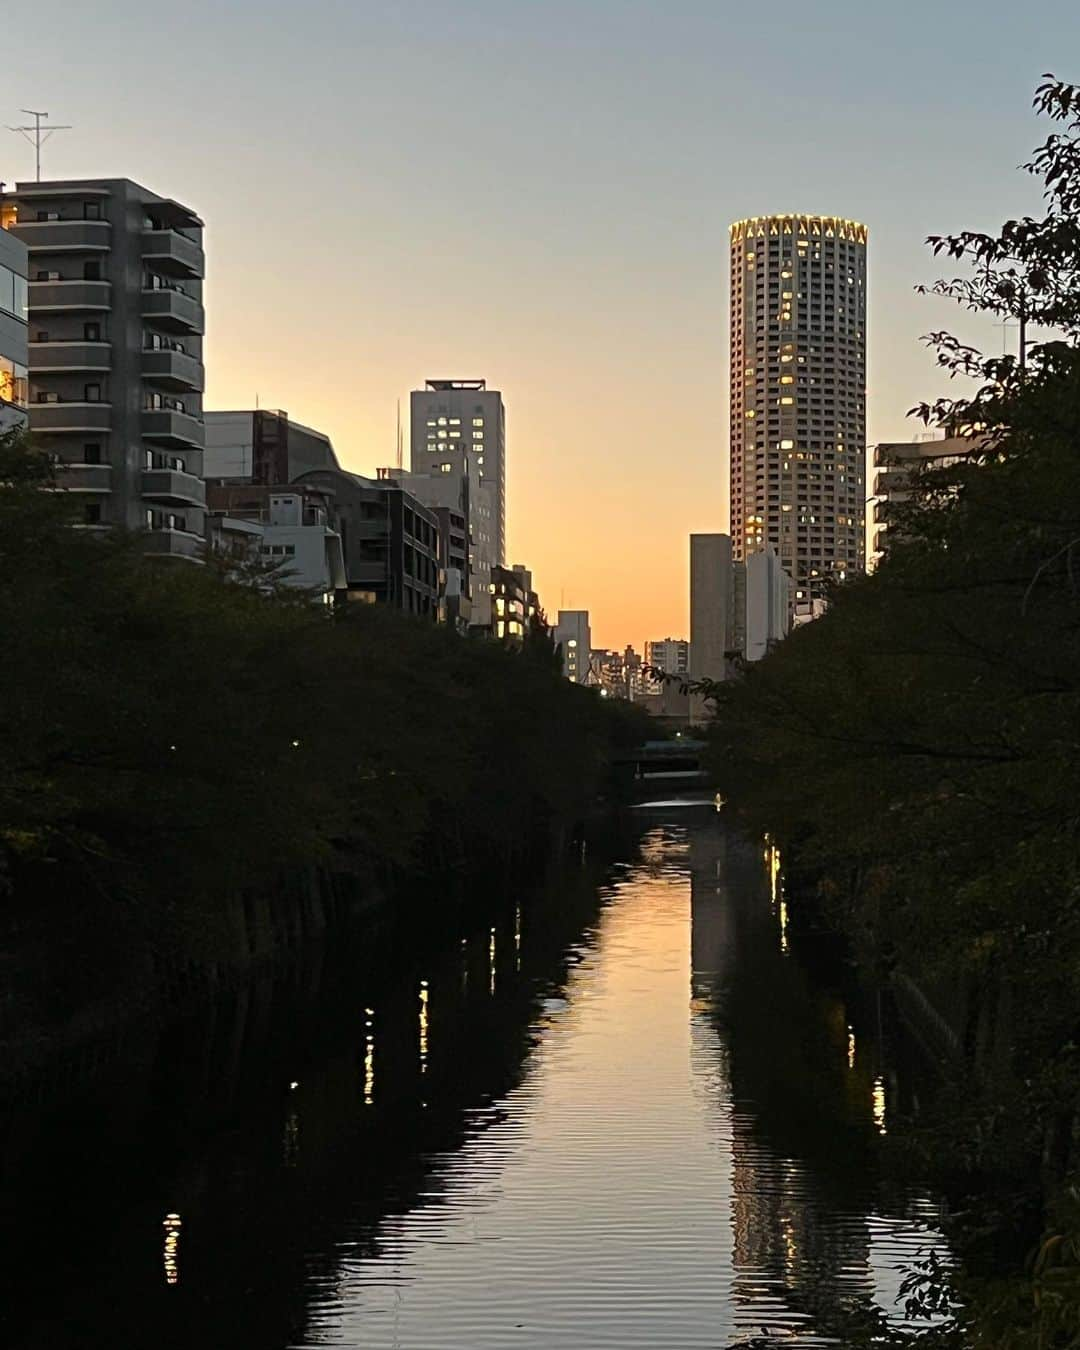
(629, 1109)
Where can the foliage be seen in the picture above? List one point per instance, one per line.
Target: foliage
(917, 747)
(171, 734)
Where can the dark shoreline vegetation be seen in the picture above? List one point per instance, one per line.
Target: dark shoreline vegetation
(916, 752)
(201, 769)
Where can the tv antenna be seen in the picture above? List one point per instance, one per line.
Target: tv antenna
(37, 135)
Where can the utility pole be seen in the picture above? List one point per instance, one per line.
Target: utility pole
(37, 135)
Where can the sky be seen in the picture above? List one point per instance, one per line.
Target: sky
(537, 192)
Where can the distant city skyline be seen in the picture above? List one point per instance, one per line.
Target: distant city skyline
(542, 194)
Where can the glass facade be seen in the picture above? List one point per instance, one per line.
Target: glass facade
(14, 298)
(14, 382)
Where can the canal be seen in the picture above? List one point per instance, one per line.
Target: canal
(631, 1108)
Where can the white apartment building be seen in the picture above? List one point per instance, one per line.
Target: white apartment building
(573, 637)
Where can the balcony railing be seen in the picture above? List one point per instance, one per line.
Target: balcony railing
(174, 487)
(173, 369)
(73, 294)
(170, 426)
(73, 416)
(64, 236)
(84, 477)
(173, 253)
(171, 308)
(46, 357)
(170, 543)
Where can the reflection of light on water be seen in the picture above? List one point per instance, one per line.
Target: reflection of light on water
(290, 1141)
(879, 1105)
(369, 1056)
(423, 1025)
(171, 1254)
(517, 937)
(850, 1048)
(491, 962)
(783, 926)
(464, 964)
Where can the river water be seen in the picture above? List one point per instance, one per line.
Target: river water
(635, 1109)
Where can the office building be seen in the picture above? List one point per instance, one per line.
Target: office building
(262, 446)
(573, 636)
(116, 330)
(389, 539)
(798, 396)
(671, 655)
(14, 370)
(458, 428)
(289, 530)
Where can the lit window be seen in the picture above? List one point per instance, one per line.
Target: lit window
(455, 421)
(478, 421)
(572, 642)
(787, 445)
(442, 435)
(442, 421)
(784, 379)
(446, 468)
(478, 435)
(431, 423)
(787, 399)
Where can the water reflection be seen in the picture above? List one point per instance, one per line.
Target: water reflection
(537, 1140)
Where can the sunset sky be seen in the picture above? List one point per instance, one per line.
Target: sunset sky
(539, 193)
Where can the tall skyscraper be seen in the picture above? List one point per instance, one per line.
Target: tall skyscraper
(116, 331)
(798, 395)
(458, 427)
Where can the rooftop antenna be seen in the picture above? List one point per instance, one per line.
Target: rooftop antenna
(37, 135)
(400, 451)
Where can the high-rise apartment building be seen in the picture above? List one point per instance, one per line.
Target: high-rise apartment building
(116, 374)
(14, 374)
(458, 427)
(712, 614)
(798, 395)
(671, 655)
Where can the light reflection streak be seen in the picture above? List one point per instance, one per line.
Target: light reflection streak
(491, 963)
(517, 937)
(423, 1025)
(369, 1056)
(783, 926)
(171, 1253)
(850, 1048)
(879, 1105)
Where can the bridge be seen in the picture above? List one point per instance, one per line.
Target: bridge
(673, 766)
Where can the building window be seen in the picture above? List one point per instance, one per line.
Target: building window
(91, 393)
(92, 453)
(91, 271)
(91, 210)
(92, 332)
(92, 513)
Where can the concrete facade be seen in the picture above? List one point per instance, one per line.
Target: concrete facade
(671, 655)
(14, 358)
(573, 635)
(712, 606)
(768, 595)
(389, 539)
(116, 331)
(289, 529)
(798, 395)
(458, 428)
(898, 464)
(264, 446)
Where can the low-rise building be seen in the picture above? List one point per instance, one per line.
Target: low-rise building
(448, 497)
(390, 541)
(291, 528)
(14, 360)
(263, 446)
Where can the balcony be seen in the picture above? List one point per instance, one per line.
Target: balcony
(173, 253)
(171, 309)
(48, 296)
(169, 426)
(84, 477)
(173, 370)
(57, 357)
(174, 544)
(70, 417)
(65, 236)
(173, 487)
